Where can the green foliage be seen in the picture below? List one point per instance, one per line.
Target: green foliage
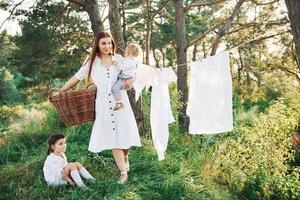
(8, 90)
(255, 165)
(52, 44)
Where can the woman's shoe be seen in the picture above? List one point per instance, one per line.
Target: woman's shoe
(123, 177)
(127, 166)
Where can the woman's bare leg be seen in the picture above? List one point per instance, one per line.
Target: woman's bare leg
(126, 152)
(126, 159)
(120, 161)
(119, 158)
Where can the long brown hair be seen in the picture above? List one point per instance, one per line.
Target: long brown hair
(96, 50)
(52, 140)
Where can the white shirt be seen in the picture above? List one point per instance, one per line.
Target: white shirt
(210, 95)
(161, 114)
(53, 168)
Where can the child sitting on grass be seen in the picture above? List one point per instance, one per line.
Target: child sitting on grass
(57, 170)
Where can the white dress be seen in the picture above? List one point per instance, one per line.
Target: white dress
(111, 129)
(53, 167)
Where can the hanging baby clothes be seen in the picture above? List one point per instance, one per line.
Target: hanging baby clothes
(160, 113)
(145, 76)
(210, 95)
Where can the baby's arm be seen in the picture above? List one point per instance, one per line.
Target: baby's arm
(124, 63)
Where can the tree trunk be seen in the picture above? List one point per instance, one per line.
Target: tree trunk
(155, 58)
(92, 8)
(194, 58)
(181, 52)
(148, 33)
(163, 57)
(123, 8)
(293, 7)
(240, 67)
(115, 25)
(117, 32)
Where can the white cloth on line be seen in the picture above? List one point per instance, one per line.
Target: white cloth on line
(111, 129)
(160, 113)
(53, 168)
(145, 77)
(210, 95)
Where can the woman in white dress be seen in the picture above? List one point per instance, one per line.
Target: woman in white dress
(116, 130)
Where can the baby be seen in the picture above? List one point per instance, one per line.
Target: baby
(127, 66)
(57, 170)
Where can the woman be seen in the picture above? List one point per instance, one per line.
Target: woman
(116, 130)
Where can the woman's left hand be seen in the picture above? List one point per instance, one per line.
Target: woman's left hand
(128, 84)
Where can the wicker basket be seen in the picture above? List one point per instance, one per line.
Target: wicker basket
(74, 107)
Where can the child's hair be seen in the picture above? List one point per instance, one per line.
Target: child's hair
(296, 140)
(133, 49)
(52, 140)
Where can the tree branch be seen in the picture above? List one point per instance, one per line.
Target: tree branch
(277, 22)
(263, 4)
(259, 39)
(297, 75)
(60, 14)
(160, 8)
(78, 2)
(11, 13)
(225, 27)
(200, 37)
(242, 26)
(201, 4)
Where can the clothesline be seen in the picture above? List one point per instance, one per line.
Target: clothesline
(188, 64)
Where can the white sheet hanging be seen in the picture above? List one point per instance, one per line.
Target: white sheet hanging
(210, 95)
(161, 114)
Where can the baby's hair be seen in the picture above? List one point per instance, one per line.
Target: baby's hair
(133, 49)
(52, 140)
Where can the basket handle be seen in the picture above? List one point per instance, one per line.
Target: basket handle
(51, 91)
(88, 85)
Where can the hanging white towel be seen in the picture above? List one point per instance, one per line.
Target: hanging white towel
(210, 95)
(160, 113)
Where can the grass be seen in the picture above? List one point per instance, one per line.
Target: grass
(188, 172)
(22, 155)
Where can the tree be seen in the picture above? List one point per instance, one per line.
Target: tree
(92, 9)
(293, 7)
(181, 52)
(51, 45)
